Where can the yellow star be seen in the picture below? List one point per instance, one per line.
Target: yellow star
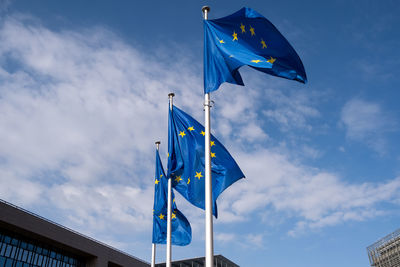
(234, 36)
(161, 216)
(191, 128)
(242, 27)
(198, 175)
(212, 143)
(213, 155)
(182, 134)
(271, 60)
(203, 133)
(173, 216)
(188, 182)
(256, 61)
(178, 179)
(161, 175)
(157, 181)
(264, 45)
(173, 200)
(167, 155)
(221, 41)
(252, 31)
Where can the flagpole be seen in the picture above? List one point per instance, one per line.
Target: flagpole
(168, 258)
(208, 183)
(153, 245)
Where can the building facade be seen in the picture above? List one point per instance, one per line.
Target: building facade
(219, 261)
(386, 251)
(28, 240)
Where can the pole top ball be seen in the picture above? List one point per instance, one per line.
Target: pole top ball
(205, 8)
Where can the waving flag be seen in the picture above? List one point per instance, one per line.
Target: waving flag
(186, 160)
(181, 232)
(246, 38)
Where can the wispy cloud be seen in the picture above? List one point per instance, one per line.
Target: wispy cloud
(318, 198)
(366, 122)
(79, 114)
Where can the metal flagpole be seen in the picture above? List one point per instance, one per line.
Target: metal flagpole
(208, 185)
(168, 258)
(153, 246)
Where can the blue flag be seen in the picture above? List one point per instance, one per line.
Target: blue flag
(181, 232)
(186, 162)
(246, 38)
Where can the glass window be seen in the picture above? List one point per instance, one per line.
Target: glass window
(25, 256)
(17, 251)
(2, 261)
(29, 258)
(14, 241)
(3, 249)
(7, 239)
(9, 263)
(8, 251)
(13, 250)
(23, 245)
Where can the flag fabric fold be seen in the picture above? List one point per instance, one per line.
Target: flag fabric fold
(186, 161)
(181, 231)
(246, 38)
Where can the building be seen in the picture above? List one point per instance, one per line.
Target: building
(219, 261)
(28, 240)
(386, 251)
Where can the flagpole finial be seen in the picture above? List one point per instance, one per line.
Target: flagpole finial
(171, 95)
(205, 10)
(158, 145)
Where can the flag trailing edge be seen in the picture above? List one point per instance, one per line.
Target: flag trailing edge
(186, 164)
(181, 232)
(246, 38)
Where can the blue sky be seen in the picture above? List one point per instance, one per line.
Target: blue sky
(83, 98)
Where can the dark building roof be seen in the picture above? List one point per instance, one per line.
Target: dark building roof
(27, 228)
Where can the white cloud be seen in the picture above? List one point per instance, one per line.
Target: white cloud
(79, 114)
(366, 122)
(290, 111)
(319, 198)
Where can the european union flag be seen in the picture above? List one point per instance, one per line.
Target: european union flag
(246, 38)
(186, 162)
(181, 232)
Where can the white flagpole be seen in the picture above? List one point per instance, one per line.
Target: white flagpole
(208, 185)
(153, 255)
(168, 258)
(153, 246)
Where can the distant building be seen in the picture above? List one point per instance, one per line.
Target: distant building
(219, 261)
(386, 251)
(28, 240)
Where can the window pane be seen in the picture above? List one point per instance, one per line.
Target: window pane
(9, 263)
(8, 251)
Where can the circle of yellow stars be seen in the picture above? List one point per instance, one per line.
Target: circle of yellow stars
(198, 175)
(252, 31)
